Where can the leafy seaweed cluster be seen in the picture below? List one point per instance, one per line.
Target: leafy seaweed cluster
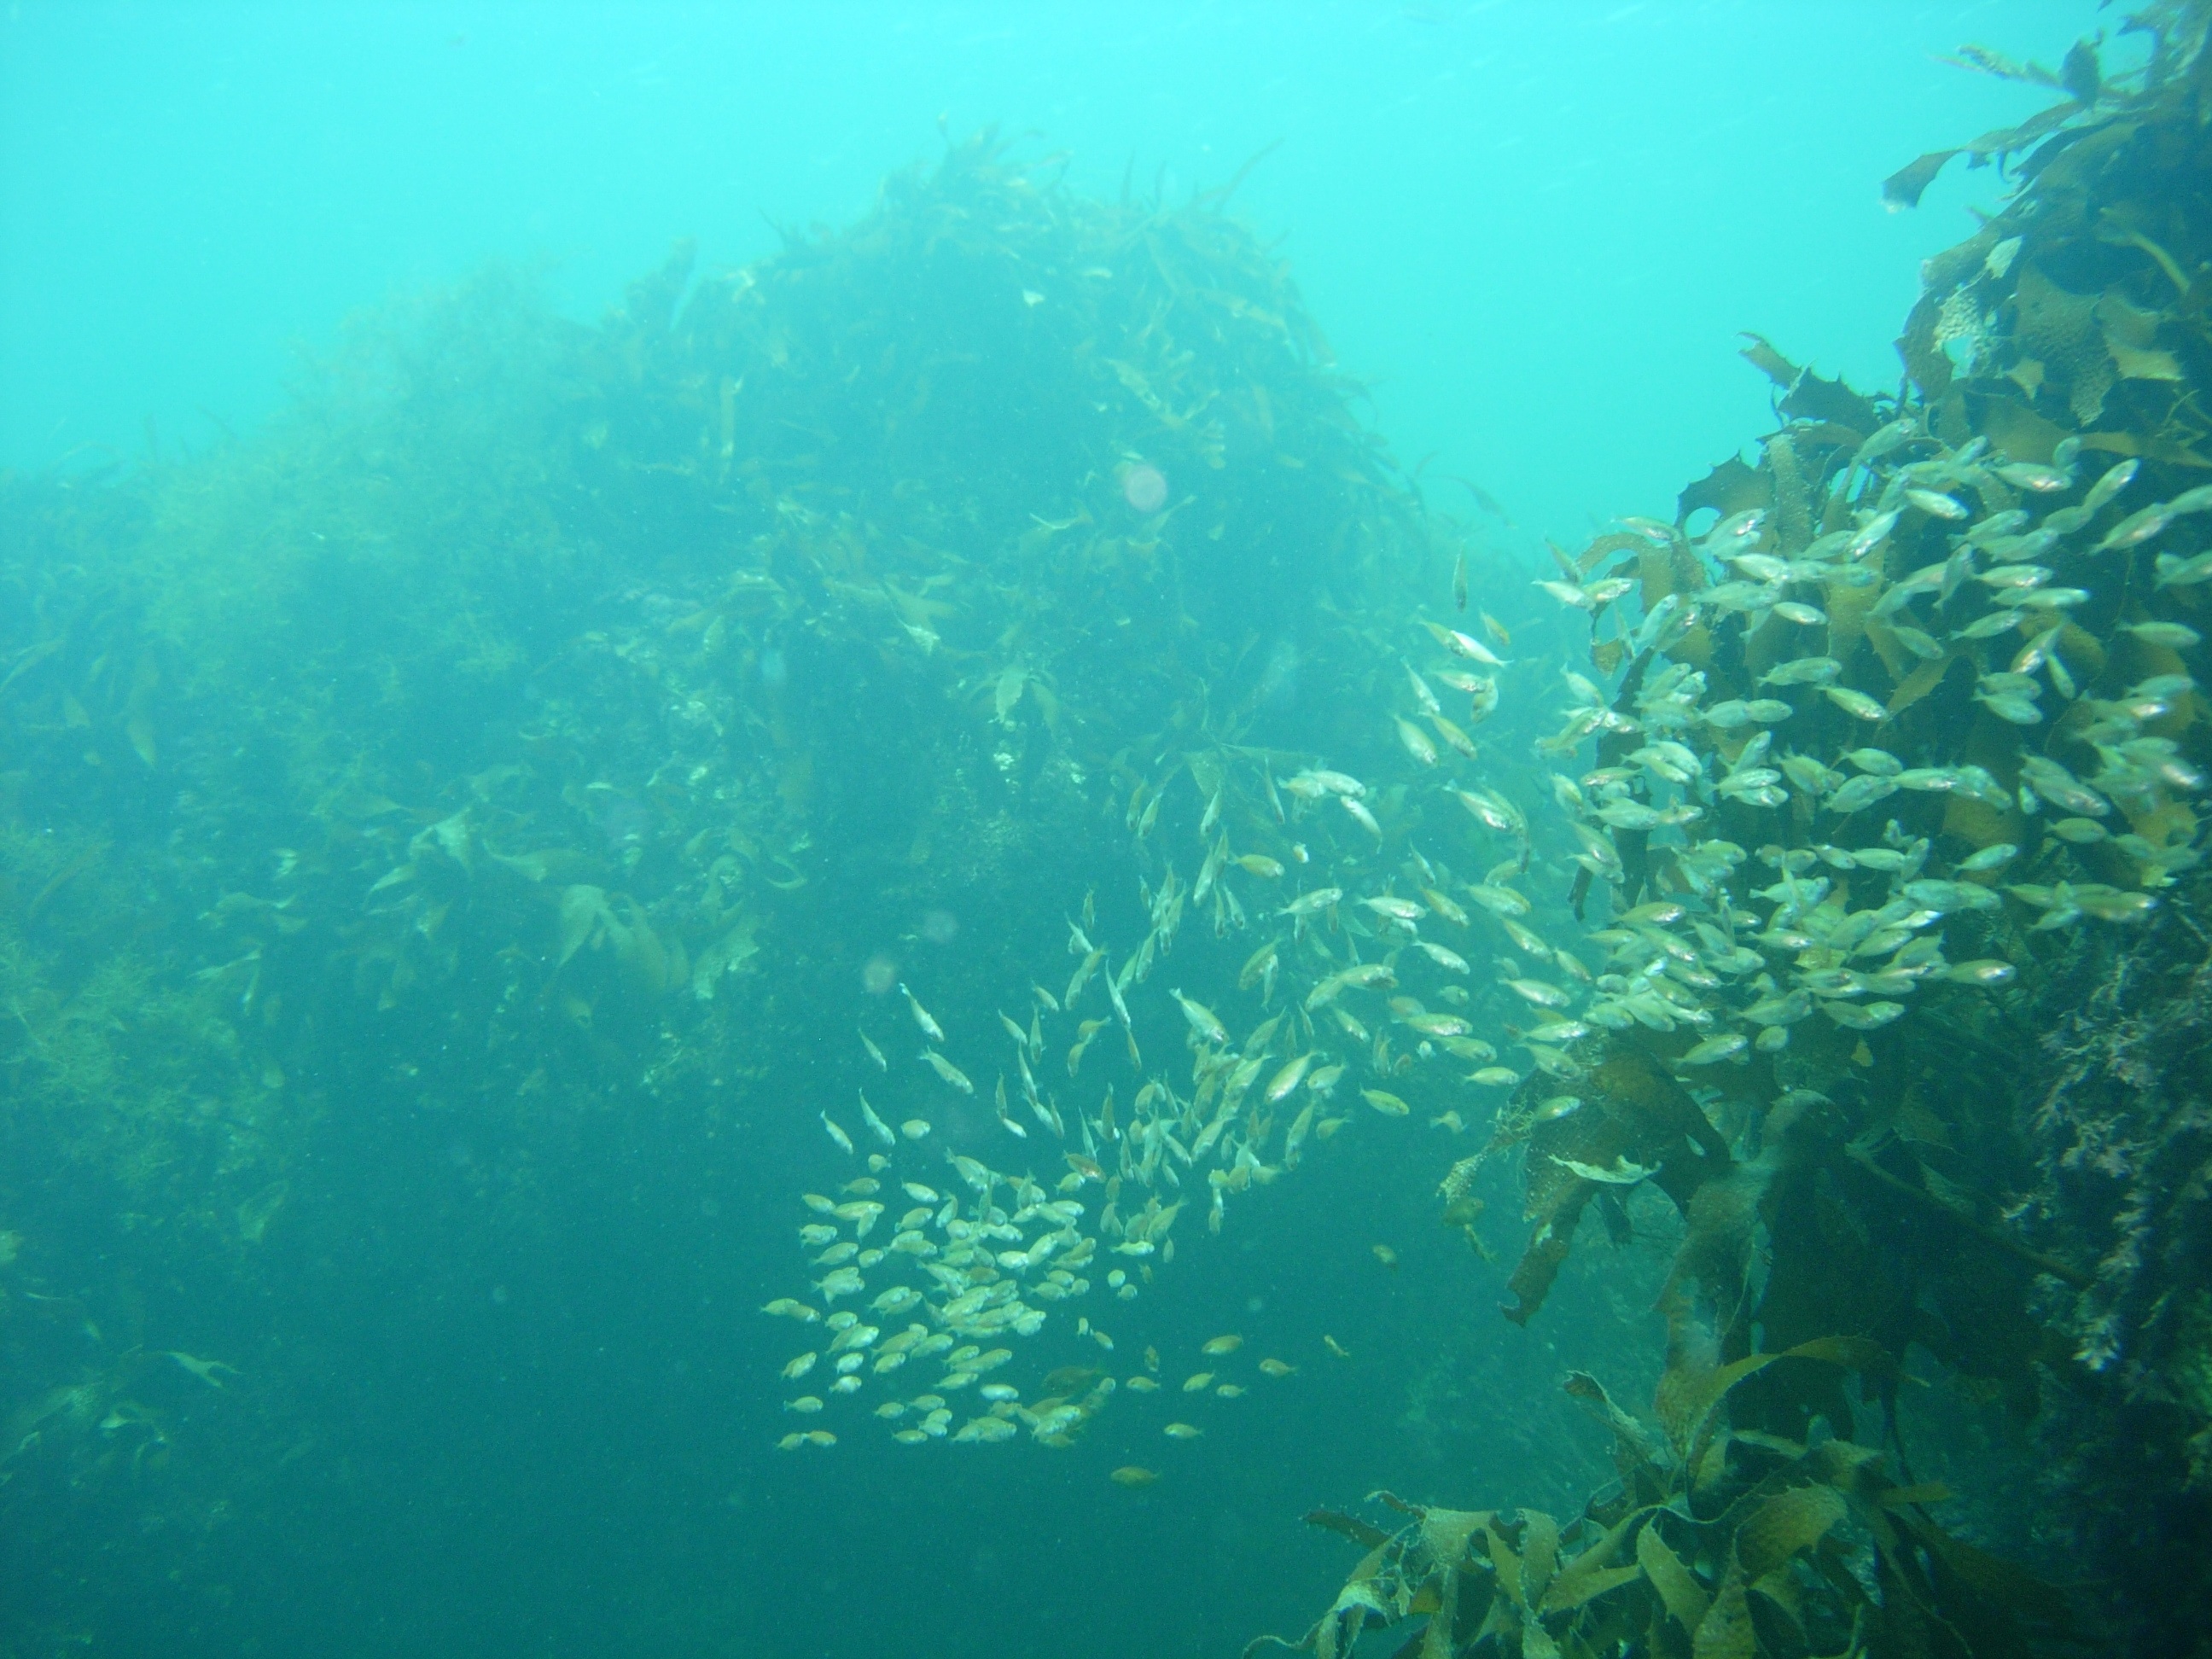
(539, 720)
(2009, 1183)
(1780, 1547)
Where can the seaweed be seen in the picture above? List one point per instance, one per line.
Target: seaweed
(1880, 1202)
(1719, 1544)
(537, 726)
(543, 726)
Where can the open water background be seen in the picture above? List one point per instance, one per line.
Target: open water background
(1536, 228)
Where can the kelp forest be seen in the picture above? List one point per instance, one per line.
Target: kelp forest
(965, 730)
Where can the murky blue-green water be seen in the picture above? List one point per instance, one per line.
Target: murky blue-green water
(442, 895)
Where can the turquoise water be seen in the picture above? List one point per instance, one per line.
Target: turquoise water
(490, 1373)
(1537, 229)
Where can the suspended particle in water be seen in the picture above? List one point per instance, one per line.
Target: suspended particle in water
(1145, 487)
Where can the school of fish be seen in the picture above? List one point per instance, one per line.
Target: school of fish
(1364, 991)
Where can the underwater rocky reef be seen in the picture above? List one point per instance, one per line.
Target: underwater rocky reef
(541, 729)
